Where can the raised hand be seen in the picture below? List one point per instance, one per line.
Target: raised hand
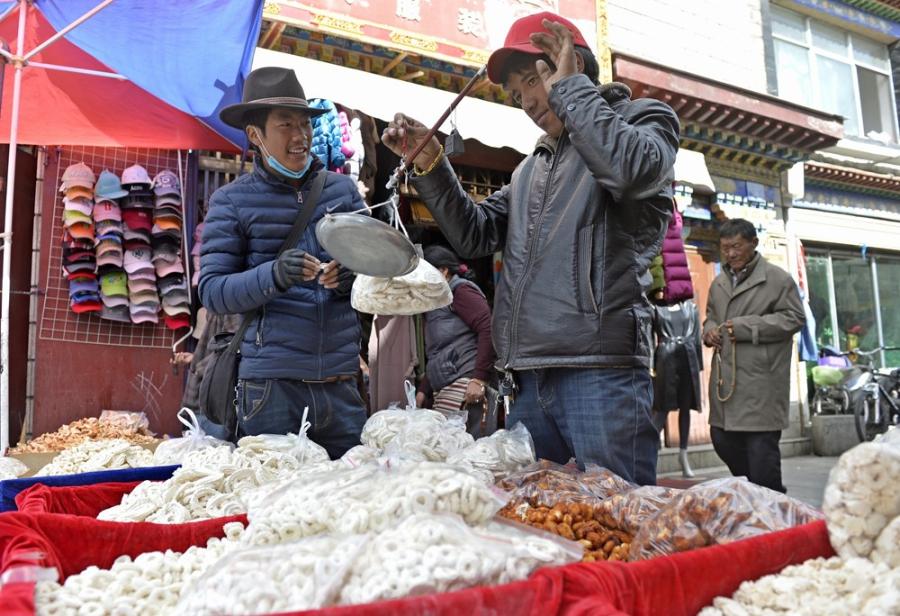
(559, 46)
(404, 134)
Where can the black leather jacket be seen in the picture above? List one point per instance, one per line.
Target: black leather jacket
(578, 225)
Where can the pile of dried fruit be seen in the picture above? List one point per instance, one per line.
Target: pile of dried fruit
(80, 430)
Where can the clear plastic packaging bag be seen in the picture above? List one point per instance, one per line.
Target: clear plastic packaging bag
(174, 450)
(544, 484)
(383, 426)
(422, 290)
(300, 575)
(427, 554)
(502, 453)
(299, 445)
(419, 554)
(563, 501)
(627, 511)
(430, 436)
(10, 468)
(863, 495)
(130, 421)
(359, 455)
(369, 498)
(716, 512)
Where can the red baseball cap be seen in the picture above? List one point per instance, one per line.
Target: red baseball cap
(519, 39)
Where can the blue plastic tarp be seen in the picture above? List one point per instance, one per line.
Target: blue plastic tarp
(194, 55)
(10, 488)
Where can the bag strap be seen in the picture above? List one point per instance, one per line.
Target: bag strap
(302, 221)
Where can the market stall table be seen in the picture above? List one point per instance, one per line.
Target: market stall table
(683, 583)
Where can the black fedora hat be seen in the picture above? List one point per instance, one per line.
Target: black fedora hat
(267, 88)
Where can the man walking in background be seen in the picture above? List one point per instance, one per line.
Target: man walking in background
(752, 314)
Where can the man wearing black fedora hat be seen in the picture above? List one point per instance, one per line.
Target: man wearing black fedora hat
(302, 347)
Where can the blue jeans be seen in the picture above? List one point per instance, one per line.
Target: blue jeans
(211, 428)
(596, 415)
(275, 406)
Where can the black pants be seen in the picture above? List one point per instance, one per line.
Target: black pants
(754, 455)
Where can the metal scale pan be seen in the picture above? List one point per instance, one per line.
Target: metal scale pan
(366, 245)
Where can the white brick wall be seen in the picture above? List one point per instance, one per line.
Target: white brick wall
(718, 39)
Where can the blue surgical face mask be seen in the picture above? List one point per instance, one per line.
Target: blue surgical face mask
(277, 167)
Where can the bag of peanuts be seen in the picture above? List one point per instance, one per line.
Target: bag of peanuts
(716, 512)
(566, 502)
(545, 483)
(627, 511)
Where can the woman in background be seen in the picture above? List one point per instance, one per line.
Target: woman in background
(458, 348)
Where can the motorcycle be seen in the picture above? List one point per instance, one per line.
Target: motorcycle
(831, 377)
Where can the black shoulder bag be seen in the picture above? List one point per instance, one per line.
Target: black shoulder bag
(218, 387)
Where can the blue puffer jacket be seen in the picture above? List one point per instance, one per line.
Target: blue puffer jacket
(307, 332)
(326, 143)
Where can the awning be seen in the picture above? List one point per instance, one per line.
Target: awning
(170, 95)
(690, 168)
(492, 124)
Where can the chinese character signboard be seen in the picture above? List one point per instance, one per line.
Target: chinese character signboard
(460, 31)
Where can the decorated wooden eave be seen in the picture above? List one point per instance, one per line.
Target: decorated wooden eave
(729, 123)
(853, 180)
(886, 9)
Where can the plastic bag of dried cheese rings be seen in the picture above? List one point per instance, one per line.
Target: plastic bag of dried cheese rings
(299, 445)
(862, 496)
(382, 427)
(10, 468)
(174, 450)
(368, 498)
(716, 512)
(298, 575)
(501, 453)
(422, 290)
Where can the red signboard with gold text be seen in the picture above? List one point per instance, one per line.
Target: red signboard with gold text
(455, 30)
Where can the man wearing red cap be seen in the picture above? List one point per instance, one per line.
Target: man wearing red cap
(578, 225)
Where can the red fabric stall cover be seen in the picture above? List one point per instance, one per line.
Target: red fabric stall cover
(72, 543)
(87, 500)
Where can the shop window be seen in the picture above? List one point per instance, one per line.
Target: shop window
(889, 284)
(819, 298)
(825, 67)
(842, 290)
(854, 296)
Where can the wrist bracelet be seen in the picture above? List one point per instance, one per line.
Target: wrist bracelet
(431, 167)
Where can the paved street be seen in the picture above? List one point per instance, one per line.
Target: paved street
(804, 476)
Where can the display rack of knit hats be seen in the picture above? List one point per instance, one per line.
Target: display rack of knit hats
(168, 225)
(109, 246)
(137, 215)
(79, 261)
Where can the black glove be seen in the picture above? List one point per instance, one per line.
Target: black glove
(289, 266)
(345, 281)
